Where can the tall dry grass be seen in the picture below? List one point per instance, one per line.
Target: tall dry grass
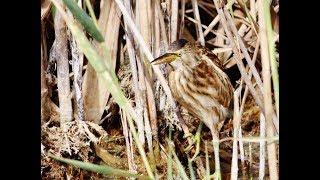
(242, 33)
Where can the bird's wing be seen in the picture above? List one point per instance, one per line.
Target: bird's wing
(215, 81)
(206, 53)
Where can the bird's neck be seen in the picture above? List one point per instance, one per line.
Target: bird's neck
(188, 60)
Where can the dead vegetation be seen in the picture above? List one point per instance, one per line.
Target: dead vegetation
(86, 119)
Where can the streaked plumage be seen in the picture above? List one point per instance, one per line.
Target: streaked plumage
(199, 84)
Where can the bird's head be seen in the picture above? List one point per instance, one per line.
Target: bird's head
(176, 51)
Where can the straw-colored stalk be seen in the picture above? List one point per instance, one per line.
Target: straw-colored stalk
(174, 19)
(262, 159)
(236, 125)
(134, 72)
(271, 47)
(143, 21)
(265, 59)
(197, 17)
(129, 149)
(217, 33)
(211, 25)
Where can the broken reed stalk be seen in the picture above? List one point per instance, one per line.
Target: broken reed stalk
(60, 51)
(77, 64)
(77, 60)
(108, 77)
(267, 96)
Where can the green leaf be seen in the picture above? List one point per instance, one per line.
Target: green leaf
(84, 20)
(101, 169)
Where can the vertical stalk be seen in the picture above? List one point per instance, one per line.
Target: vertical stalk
(265, 59)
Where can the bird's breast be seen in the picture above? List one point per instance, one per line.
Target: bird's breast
(201, 91)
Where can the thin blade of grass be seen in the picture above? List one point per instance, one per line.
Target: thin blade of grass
(169, 159)
(91, 12)
(180, 167)
(272, 56)
(207, 162)
(84, 19)
(102, 169)
(191, 171)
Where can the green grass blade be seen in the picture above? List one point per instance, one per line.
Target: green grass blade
(192, 175)
(207, 162)
(180, 167)
(101, 169)
(169, 159)
(273, 61)
(84, 19)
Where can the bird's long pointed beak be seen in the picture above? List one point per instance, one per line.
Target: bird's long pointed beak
(166, 58)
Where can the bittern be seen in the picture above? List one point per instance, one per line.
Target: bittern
(199, 84)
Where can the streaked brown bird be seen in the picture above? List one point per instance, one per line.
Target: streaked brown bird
(200, 85)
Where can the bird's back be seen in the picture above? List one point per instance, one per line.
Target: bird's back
(204, 90)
